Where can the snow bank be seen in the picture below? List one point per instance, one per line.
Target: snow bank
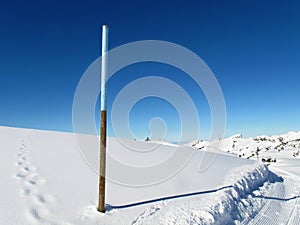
(222, 206)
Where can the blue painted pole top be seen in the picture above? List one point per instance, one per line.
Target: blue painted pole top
(104, 66)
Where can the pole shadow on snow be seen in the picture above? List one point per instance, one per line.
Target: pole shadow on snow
(276, 198)
(274, 178)
(110, 207)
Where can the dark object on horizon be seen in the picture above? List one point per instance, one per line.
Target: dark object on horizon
(268, 160)
(147, 139)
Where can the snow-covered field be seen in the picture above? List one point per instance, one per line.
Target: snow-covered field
(44, 180)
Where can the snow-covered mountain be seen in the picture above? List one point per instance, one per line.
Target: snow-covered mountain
(45, 180)
(268, 148)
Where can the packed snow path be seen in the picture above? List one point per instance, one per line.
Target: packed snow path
(279, 203)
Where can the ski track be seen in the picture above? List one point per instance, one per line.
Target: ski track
(280, 205)
(270, 210)
(276, 202)
(38, 204)
(295, 215)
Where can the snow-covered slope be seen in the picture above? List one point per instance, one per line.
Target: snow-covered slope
(44, 180)
(264, 147)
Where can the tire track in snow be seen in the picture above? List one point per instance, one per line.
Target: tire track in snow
(38, 204)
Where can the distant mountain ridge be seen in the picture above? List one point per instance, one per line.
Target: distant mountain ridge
(264, 147)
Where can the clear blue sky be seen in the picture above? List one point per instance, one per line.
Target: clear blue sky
(253, 48)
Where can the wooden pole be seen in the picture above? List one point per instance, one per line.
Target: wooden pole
(101, 202)
(101, 197)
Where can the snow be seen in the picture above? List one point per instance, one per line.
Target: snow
(44, 180)
(275, 147)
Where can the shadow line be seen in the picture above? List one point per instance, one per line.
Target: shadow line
(165, 198)
(272, 178)
(276, 198)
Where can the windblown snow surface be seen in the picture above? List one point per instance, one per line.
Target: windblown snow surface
(44, 180)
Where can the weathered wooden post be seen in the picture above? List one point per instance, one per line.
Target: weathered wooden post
(101, 198)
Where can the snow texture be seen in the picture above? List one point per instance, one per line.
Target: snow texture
(44, 180)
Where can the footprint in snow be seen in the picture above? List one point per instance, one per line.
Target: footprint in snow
(38, 210)
(19, 176)
(24, 192)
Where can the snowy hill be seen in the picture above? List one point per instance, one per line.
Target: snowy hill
(262, 147)
(44, 180)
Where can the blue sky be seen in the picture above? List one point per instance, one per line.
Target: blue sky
(252, 47)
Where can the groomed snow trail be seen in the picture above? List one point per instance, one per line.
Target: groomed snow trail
(38, 204)
(218, 206)
(258, 197)
(279, 200)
